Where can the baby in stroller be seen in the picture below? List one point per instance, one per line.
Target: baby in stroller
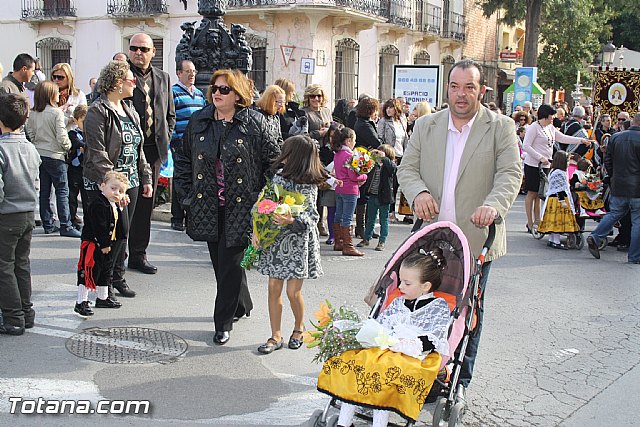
(403, 348)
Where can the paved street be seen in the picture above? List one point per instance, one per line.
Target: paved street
(561, 344)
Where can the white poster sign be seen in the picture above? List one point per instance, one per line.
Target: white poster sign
(417, 83)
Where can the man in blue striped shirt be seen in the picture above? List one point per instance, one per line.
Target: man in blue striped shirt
(187, 99)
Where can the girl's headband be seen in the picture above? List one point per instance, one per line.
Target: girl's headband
(434, 257)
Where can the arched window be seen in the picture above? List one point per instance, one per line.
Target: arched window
(258, 71)
(347, 64)
(52, 51)
(422, 58)
(389, 56)
(447, 63)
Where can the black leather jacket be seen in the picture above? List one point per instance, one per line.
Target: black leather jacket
(622, 161)
(246, 154)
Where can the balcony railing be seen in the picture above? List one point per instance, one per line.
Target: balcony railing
(453, 26)
(47, 9)
(428, 18)
(397, 12)
(371, 7)
(135, 8)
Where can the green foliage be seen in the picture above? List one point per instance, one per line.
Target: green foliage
(626, 27)
(571, 31)
(511, 11)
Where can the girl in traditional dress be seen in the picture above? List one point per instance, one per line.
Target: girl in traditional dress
(406, 341)
(558, 214)
(295, 255)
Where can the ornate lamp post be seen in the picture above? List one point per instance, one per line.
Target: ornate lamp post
(608, 52)
(211, 46)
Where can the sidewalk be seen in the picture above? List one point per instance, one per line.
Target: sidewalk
(162, 213)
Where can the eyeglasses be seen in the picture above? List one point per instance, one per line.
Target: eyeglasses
(224, 90)
(315, 96)
(142, 49)
(189, 71)
(621, 119)
(58, 77)
(133, 81)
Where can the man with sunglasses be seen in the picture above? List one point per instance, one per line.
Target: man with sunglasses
(623, 117)
(153, 101)
(24, 66)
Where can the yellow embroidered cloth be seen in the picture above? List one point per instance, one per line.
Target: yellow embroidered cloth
(380, 379)
(557, 219)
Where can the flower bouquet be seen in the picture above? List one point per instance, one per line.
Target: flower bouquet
(335, 331)
(362, 161)
(591, 184)
(273, 199)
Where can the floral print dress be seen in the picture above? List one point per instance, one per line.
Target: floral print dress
(296, 252)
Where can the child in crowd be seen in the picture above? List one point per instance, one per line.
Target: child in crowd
(19, 165)
(103, 226)
(414, 330)
(346, 195)
(327, 193)
(74, 173)
(380, 191)
(295, 255)
(558, 214)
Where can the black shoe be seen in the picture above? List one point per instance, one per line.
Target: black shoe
(270, 346)
(38, 223)
(110, 302)
(557, 246)
(143, 267)
(83, 309)
(622, 248)
(407, 220)
(178, 226)
(124, 290)
(51, 230)
(221, 337)
(593, 247)
(29, 318)
(236, 317)
(10, 329)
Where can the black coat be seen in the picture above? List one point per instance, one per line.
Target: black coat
(385, 187)
(366, 133)
(99, 222)
(287, 118)
(246, 153)
(622, 161)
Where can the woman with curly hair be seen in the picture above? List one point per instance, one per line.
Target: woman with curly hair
(521, 119)
(113, 141)
(319, 115)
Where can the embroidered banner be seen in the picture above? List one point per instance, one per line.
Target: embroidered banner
(617, 90)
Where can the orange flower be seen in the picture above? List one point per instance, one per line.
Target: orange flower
(307, 336)
(323, 315)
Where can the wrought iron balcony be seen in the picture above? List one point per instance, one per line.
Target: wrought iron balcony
(453, 27)
(136, 8)
(428, 18)
(371, 7)
(47, 9)
(397, 12)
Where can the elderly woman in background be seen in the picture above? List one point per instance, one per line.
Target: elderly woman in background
(538, 149)
(46, 130)
(271, 104)
(314, 106)
(291, 110)
(113, 141)
(70, 95)
(219, 169)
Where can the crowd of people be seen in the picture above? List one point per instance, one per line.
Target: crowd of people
(224, 145)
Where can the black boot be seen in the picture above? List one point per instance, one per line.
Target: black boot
(361, 213)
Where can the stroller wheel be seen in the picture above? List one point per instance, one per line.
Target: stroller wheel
(579, 241)
(315, 420)
(571, 241)
(455, 419)
(332, 421)
(440, 412)
(535, 233)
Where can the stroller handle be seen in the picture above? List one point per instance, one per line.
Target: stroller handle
(487, 243)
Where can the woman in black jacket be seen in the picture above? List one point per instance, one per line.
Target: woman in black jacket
(219, 170)
(291, 109)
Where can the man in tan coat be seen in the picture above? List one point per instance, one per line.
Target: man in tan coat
(462, 165)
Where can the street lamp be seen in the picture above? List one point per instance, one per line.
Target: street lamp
(608, 52)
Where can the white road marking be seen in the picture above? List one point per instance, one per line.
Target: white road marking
(48, 389)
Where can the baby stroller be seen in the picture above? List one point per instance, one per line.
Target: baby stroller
(460, 288)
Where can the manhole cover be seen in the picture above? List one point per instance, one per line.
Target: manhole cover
(127, 345)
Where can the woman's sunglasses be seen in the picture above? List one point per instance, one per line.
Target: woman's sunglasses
(315, 96)
(224, 90)
(142, 49)
(58, 77)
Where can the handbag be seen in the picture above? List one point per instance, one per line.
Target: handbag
(544, 184)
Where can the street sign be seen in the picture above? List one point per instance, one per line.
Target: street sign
(510, 56)
(287, 51)
(417, 83)
(307, 66)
